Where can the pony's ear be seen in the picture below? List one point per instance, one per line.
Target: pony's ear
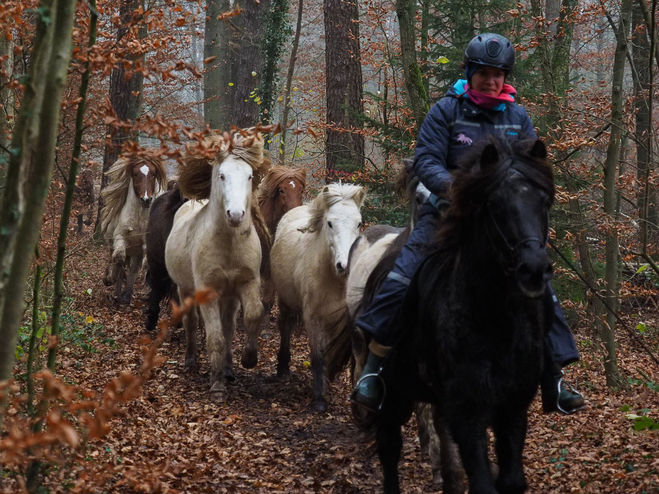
(360, 197)
(489, 157)
(539, 150)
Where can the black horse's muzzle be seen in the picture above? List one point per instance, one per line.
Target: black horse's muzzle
(532, 267)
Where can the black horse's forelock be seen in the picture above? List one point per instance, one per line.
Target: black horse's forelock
(473, 185)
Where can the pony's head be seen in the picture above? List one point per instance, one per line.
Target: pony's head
(225, 168)
(505, 191)
(281, 191)
(336, 213)
(144, 174)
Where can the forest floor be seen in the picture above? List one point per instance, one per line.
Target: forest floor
(265, 439)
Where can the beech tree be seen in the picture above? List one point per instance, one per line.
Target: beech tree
(343, 141)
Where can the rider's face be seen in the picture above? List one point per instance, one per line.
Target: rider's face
(488, 80)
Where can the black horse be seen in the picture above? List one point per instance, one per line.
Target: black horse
(161, 219)
(474, 319)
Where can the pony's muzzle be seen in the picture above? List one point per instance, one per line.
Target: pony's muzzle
(235, 218)
(145, 202)
(341, 268)
(533, 272)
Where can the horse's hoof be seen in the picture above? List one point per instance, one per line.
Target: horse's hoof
(283, 372)
(124, 299)
(249, 359)
(218, 392)
(191, 366)
(318, 405)
(108, 281)
(229, 376)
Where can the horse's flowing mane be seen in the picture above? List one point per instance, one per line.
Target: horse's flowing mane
(473, 184)
(276, 176)
(116, 193)
(196, 169)
(330, 195)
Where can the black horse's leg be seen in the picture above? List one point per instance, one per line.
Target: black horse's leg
(285, 325)
(389, 446)
(158, 291)
(509, 428)
(470, 434)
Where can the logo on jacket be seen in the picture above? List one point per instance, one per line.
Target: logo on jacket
(463, 139)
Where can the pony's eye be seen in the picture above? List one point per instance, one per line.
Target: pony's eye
(329, 223)
(221, 176)
(250, 177)
(281, 191)
(360, 225)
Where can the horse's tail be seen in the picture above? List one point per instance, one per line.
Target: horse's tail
(339, 346)
(265, 237)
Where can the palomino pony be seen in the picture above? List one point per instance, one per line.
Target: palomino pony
(214, 244)
(474, 318)
(280, 191)
(134, 183)
(309, 265)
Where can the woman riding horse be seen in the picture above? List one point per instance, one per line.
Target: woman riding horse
(483, 105)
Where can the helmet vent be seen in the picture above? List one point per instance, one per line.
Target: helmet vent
(493, 48)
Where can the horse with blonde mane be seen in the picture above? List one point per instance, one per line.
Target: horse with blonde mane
(214, 244)
(134, 182)
(309, 259)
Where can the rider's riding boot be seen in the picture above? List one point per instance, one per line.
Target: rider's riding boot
(558, 395)
(369, 391)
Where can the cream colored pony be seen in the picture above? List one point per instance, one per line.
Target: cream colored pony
(134, 183)
(308, 260)
(214, 244)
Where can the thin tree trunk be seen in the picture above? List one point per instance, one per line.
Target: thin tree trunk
(344, 142)
(6, 101)
(32, 162)
(613, 377)
(218, 94)
(275, 33)
(416, 91)
(289, 83)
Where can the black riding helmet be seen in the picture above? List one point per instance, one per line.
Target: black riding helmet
(492, 50)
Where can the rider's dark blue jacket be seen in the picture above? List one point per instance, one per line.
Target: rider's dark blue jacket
(452, 125)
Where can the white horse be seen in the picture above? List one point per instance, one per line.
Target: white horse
(214, 244)
(309, 260)
(134, 183)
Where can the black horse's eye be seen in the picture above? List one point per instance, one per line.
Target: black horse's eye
(329, 223)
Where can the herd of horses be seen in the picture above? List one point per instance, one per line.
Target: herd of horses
(473, 320)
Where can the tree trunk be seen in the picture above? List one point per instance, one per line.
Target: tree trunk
(125, 95)
(613, 377)
(218, 94)
(6, 101)
(344, 143)
(249, 58)
(275, 34)
(30, 165)
(289, 83)
(416, 91)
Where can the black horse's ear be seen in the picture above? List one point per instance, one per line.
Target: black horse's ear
(490, 156)
(539, 150)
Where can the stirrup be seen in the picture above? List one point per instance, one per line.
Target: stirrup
(366, 407)
(567, 385)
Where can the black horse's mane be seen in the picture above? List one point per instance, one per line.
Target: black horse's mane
(475, 181)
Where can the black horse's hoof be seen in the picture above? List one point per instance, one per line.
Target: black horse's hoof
(229, 376)
(283, 372)
(318, 405)
(191, 366)
(363, 418)
(249, 359)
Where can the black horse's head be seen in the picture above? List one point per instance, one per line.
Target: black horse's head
(505, 192)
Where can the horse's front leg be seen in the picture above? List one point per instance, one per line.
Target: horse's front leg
(190, 322)
(469, 431)
(118, 264)
(215, 343)
(449, 458)
(509, 428)
(252, 316)
(285, 323)
(228, 313)
(135, 264)
(317, 343)
(389, 445)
